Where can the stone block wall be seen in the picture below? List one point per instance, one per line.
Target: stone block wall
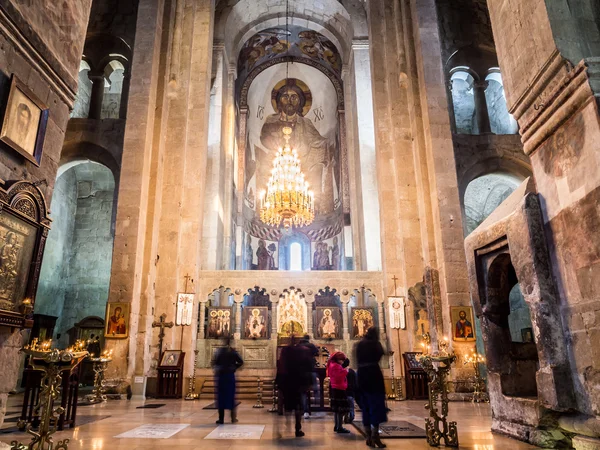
(46, 58)
(52, 286)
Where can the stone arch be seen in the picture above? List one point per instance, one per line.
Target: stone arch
(88, 151)
(235, 23)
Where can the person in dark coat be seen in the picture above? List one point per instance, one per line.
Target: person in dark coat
(371, 385)
(351, 391)
(294, 379)
(314, 351)
(226, 362)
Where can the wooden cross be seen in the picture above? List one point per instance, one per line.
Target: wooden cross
(187, 278)
(395, 279)
(162, 324)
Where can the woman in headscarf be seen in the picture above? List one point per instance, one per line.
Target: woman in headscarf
(337, 390)
(370, 383)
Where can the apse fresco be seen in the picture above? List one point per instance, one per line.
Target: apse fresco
(306, 101)
(299, 42)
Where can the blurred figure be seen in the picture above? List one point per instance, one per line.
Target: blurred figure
(337, 390)
(226, 362)
(314, 351)
(294, 379)
(372, 388)
(351, 391)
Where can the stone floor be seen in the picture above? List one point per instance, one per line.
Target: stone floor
(105, 421)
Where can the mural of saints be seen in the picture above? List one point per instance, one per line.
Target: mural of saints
(291, 99)
(362, 320)
(219, 323)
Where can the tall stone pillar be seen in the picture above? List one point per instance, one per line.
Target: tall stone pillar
(202, 319)
(274, 297)
(97, 94)
(125, 93)
(310, 300)
(345, 299)
(238, 299)
(482, 115)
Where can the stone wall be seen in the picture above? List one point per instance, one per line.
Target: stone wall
(53, 276)
(46, 59)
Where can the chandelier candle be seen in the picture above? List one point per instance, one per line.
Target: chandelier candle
(287, 198)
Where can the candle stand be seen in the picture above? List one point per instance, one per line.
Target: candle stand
(51, 362)
(437, 426)
(479, 393)
(192, 395)
(100, 366)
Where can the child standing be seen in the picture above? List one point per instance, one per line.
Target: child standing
(337, 392)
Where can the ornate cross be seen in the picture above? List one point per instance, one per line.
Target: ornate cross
(162, 324)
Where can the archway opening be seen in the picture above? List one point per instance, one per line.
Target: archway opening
(513, 357)
(501, 121)
(75, 273)
(295, 256)
(463, 99)
(81, 107)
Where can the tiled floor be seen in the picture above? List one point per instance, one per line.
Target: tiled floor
(473, 428)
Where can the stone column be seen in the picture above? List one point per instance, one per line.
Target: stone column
(481, 110)
(310, 300)
(125, 94)
(345, 299)
(274, 297)
(381, 318)
(97, 94)
(451, 106)
(202, 320)
(238, 299)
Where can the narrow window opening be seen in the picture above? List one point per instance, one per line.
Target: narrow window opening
(295, 256)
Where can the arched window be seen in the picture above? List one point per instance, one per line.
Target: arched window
(463, 99)
(114, 74)
(81, 108)
(484, 194)
(295, 256)
(501, 121)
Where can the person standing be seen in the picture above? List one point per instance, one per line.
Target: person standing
(314, 351)
(371, 385)
(226, 362)
(337, 390)
(351, 391)
(294, 377)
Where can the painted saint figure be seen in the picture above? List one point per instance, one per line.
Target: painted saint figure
(464, 328)
(8, 264)
(314, 150)
(255, 325)
(264, 257)
(116, 322)
(335, 255)
(327, 325)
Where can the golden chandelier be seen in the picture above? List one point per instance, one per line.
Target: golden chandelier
(287, 197)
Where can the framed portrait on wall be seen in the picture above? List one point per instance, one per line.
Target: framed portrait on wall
(327, 325)
(463, 324)
(24, 122)
(117, 320)
(256, 322)
(219, 323)
(362, 320)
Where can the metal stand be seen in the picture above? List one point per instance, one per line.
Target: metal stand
(259, 395)
(479, 393)
(437, 425)
(191, 395)
(100, 366)
(274, 407)
(51, 363)
(393, 395)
